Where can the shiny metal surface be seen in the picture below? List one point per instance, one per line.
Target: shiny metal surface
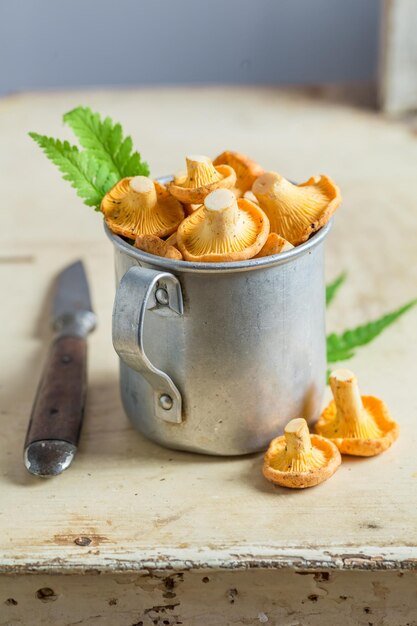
(49, 457)
(247, 354)
(72, 311)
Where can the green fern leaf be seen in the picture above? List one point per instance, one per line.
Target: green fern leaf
(104, 141)
(90, 178)
(341, 347)
(339, 355)
(333, 288)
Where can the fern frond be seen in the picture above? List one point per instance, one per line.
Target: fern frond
(341, 347)
(90, 178)
(104, 140)
(333, 288)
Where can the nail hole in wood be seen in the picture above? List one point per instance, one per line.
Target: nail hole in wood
(82, 541)
(46, 594)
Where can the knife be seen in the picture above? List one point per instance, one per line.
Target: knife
(57, 413)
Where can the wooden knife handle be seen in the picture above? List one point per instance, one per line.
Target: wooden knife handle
(59, 405)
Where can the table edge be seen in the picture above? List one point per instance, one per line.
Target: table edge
(395, 558)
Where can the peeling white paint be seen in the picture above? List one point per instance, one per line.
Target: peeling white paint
(263, 618)
(234, 558)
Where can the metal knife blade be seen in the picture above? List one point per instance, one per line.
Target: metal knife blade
(72, 310)
(57, 414)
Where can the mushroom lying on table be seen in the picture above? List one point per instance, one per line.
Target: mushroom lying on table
(223, 229)
(201, 179)
(298, 459)
(357, 425)
(296, 211)
(139, 205)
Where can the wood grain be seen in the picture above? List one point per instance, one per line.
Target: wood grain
(144, 506)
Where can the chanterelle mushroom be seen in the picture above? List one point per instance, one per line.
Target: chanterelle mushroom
(274, 245)
(360, 426)
(201, 179)
(249, 195)
(247, 171)
(298, 459)
(296, 211)
(224, 229)
(157, 246)
(139, 205)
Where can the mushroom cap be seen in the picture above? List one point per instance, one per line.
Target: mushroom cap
(301, 470)
(201, 179)
(249, 195)
(247, 171)
(138, 205)
(190, 208)
(378, 433)
(274, 245)
(223, 229)
(154, 245)
(296, 211)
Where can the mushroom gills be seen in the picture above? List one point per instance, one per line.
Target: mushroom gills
(201, 178)
(298, 460)
(200, 172)
(358, 425)
(223, 229)
(139, 205)
(352, 420)
(296, 211)
(298, 454)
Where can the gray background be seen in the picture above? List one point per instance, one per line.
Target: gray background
(69, 43)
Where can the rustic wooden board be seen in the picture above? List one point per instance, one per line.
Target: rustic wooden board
(143, 506)
(215, 598)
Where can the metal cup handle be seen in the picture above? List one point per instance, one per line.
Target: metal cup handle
(142, 290)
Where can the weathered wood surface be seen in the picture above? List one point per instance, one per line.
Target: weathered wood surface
(126, 504)
(214, 598)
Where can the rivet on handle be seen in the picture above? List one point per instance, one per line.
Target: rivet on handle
(161, 296)
(165, 402)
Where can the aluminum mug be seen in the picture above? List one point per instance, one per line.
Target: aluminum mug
(216, 358)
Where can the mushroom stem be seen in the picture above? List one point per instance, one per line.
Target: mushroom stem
(222, 211)
(297, 437)
(352, 418)
(146, 192)
(200, 171)
(223, 229)
(299, 454)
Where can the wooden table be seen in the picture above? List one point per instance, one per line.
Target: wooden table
(134, 534)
